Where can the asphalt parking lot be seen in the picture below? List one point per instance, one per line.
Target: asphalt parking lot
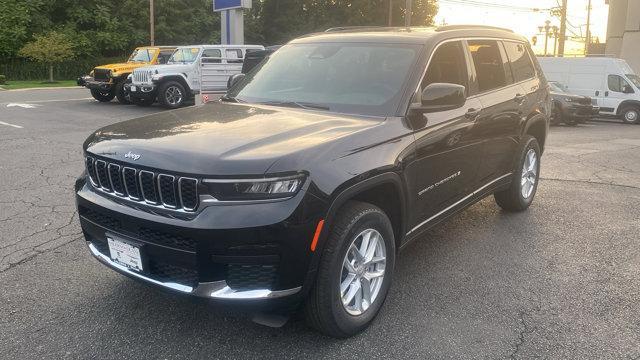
(561, 280)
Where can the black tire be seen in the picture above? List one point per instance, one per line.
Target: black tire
(570, 121)
(102, 96)
(124, 97)
(324, 309)
(144, 102)
(165, 95)
(630, 114)
(513, 199)
(556, 115)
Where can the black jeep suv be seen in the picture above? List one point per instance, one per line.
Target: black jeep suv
(302, 184)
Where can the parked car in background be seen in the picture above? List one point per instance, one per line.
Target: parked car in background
(176, 83)
(569, 108)
(611, 82)
(107, 81)
(302, 184)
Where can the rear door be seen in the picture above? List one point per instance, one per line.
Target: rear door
(447, 145)
(502, 101)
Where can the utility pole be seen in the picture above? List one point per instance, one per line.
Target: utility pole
(151, 23)
(563, 28)
(587, 42)
(407, 13)
(555, 41)
(390, 13)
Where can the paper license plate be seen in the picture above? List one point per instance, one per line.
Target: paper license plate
(125, 254)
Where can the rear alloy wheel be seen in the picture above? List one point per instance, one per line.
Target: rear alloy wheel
(631, 115)
(123, 95)
(171, 94)
(355, 271)
(102, 96)
(520, 194)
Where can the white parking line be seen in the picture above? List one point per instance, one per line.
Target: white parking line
(7, 124)
(59, 100)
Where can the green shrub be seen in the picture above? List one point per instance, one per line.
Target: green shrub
(21, 69)
(3, 79)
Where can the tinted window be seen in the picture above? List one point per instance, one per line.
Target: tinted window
(448, 65)
(489, 64)
(212, 56)
(521, 64)
(617, 83)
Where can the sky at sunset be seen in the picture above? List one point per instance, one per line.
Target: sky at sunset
(519, 16)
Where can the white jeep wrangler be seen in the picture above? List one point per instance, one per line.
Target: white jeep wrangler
(190, 69)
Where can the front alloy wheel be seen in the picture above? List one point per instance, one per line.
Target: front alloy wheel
(362, 272)
(171, 94)
(355, 271)
(631, 115)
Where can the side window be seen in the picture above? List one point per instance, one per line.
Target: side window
(618, 84)
(164, 56)
(448, 65)
(211, 56)
(234, 56)
(489, 64)
(521, 64)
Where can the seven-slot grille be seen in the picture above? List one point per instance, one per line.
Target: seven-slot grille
(101, 74)
(140, 76)
(153, 188)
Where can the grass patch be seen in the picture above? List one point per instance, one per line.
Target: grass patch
(12, 85)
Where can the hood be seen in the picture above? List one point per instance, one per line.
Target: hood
(123, 67)
(167, 68)
(575, 98)
(225, 138)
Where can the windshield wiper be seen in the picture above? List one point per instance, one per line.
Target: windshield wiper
(297, 104)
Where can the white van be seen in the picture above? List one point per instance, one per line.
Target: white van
(190, 70)
(611, 82)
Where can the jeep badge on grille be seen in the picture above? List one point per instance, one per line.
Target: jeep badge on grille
(132, 156)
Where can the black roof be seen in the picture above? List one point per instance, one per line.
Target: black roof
(413, 35)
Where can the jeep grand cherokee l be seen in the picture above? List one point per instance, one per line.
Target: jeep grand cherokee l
(317, 167)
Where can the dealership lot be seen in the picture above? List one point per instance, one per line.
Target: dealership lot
(561, 280)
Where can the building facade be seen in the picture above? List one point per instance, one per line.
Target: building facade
(623, 31)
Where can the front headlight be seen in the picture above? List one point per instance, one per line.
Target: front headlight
(254, 189)
(156, 77)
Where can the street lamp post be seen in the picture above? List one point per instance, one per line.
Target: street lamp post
(152, 34)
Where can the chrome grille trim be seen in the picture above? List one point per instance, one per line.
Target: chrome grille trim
(180, 193)
(173, 185)
(143, 197)
(146, 196)
(117, 167)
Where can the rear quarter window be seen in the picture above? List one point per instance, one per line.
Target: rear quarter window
(521, 64)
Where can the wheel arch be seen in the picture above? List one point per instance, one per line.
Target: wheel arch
(375, 190)
(624, 104)
(537, 126)
(179, 78)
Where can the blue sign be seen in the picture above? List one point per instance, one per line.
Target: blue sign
(220, 5)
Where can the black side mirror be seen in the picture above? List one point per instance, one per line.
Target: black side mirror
(442, 97)
(234, 79)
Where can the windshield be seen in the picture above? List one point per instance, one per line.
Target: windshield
(557, 87)
(348, 78)
(635, 79)
(185, 55)
(142, 55)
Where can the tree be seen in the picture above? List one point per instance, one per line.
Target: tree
(50, 49)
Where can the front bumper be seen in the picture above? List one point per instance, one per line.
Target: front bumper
(90, 83)
(578, 111)
(265, 265)
(141, 91)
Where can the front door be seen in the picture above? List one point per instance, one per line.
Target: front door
(619, 90)
(447, 146)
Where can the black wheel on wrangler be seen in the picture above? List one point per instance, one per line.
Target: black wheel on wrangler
(631, 115)
(102, 96)
(355, 271)
(523, 187)
(124, 97)
(172, 94)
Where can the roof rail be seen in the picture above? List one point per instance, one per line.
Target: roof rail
(469, 27)
(356, 28)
